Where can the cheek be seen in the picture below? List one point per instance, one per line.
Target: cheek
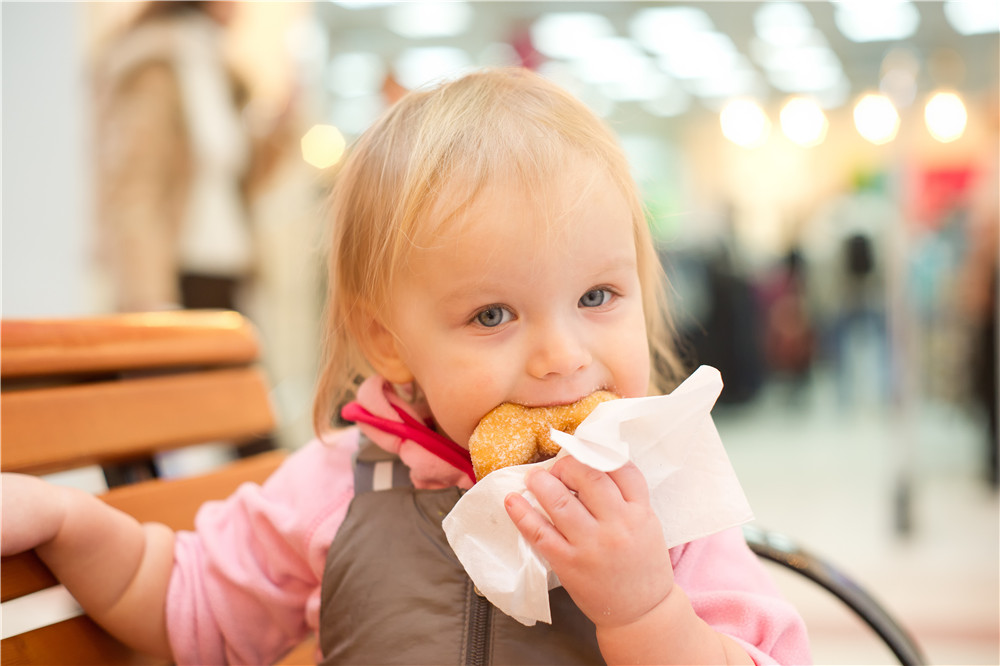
(633, 363)
(643, 374)
(458, 403)
(634, 372)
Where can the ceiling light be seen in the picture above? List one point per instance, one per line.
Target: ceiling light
(876, 20)
(803, 122)
(742, 80)
(608, 59)
(806, 66)
(658, 29)
(420, 66)
(973, 17)
(876, 119)
(700, 54)
(763, 51)
(568, 35)
(818, 80)
(640, 80)
(745, 123)
(783, 23)
(420, 20)
(945, 116)
(803, 68)
(690, 49)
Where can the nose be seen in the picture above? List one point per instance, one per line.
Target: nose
(557, 349)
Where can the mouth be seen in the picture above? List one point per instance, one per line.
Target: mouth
(564, 402)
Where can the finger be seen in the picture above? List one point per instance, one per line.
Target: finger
(564, 509)
(631, 483)
(534, 527)
(596, 491)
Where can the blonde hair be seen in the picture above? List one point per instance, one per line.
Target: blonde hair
(488, 125)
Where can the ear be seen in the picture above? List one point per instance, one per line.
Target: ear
(382, 349)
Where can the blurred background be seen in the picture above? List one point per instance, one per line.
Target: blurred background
(821, 178)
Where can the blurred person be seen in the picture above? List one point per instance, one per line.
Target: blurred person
(862, 300)
(788, 336)
(984, 355)
(177, 168)
(726, 336)
(176, 163)
(979, 291)
(847, 246)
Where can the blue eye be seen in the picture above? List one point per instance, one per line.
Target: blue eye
(493, 316)
(595, 298)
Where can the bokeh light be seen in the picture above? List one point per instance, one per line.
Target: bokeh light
(876, 119)
(803, 122)
(745, 123)
(323, 146)
(945, 116)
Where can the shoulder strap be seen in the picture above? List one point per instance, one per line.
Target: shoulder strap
(377, 469)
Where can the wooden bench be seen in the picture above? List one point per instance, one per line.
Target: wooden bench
(117, 389)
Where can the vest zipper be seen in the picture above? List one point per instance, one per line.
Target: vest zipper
(480, 614)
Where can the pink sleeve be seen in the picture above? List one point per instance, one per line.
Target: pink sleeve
(245, 585)
(730, 590)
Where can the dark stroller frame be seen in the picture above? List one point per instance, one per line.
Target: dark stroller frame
(783, 551)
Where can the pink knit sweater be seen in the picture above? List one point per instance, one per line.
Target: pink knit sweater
(246, 583)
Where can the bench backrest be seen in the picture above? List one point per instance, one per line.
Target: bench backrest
(116, 389)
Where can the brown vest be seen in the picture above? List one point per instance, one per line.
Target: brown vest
(394, 592)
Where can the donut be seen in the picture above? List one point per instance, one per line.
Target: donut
(513, 434)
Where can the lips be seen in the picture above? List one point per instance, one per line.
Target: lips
(565, 402)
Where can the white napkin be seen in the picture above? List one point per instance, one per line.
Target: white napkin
(671, 439)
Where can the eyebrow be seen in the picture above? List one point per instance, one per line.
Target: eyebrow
(621, 262)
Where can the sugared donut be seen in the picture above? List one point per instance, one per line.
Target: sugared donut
(513, 434)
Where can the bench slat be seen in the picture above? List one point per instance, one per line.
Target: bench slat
(69, 426)
(76, 641)
(44, 347)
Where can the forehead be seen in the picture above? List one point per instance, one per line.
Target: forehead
(566, 233)
(544, 209)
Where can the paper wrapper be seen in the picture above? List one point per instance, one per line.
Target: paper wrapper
(671, 439)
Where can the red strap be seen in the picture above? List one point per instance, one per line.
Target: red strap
(416, 432)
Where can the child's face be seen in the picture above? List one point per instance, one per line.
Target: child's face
(497, 311)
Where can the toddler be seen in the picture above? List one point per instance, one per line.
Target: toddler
(488, 246)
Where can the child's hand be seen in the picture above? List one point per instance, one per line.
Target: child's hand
(33, 511)
(604, 541)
